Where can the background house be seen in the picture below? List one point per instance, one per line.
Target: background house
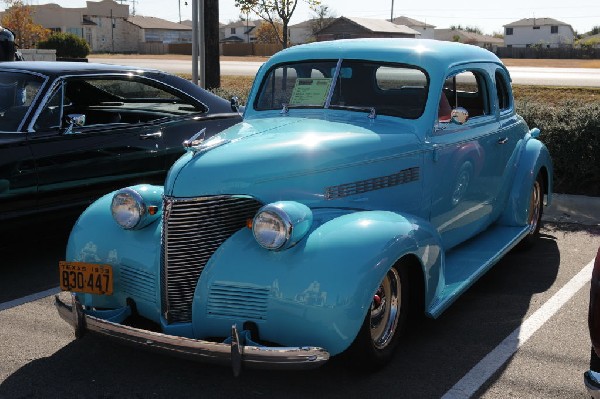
(301, 33)
(158, 30)
(544, 32)
(458, 35)
(239, 31)
(426, 30)
(353, 28)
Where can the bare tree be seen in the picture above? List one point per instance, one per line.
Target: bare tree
(274, 12)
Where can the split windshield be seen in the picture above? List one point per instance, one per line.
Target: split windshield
(389, 89)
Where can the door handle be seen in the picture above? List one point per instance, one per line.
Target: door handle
(503, 140)
(155, 135)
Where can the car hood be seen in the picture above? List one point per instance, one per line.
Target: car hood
(295, 158)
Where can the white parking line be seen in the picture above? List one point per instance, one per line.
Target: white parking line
(494, 360)
(28, 298)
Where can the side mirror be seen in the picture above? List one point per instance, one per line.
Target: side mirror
(459, 115)
(235, 104)
(74, 120)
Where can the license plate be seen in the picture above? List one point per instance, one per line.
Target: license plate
(89, 278)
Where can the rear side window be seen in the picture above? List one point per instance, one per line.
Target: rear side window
(503, 90)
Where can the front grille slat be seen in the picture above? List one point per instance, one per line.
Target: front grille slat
(193, 229)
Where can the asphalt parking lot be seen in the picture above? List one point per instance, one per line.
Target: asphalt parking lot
(520, 331)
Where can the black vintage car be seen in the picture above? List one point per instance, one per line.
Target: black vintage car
(71, 131)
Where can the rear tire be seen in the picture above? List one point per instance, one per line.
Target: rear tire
(384, 323)
(534, 217)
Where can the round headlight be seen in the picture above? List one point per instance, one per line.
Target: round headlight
(271, 228)
(127, 208)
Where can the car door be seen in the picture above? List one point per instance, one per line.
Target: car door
(77, 164)
(18, 179)
(511, 131)
(468, 162)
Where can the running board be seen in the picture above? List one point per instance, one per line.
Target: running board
(466, 263)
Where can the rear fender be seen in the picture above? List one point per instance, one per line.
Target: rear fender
(534, 159)
(320, 290)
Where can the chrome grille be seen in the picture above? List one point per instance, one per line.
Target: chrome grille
(193, 229)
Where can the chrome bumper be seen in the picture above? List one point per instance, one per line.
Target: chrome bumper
(592, 383)
(236, 353)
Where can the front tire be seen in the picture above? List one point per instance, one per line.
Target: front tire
(384, 323)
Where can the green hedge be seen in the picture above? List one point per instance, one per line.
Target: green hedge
(571, 131)
(67, 45)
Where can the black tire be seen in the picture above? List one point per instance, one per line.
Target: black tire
(384, 323)
(594, 361)
(534, 217)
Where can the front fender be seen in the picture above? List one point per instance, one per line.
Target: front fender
(133, 254)
(317, 292)
(534, 159)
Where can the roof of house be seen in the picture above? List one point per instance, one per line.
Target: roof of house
(305, 24)
(402, 20)
(242, 24)
(536, 22)
(380, 25)
(466, 37)
(156, 23)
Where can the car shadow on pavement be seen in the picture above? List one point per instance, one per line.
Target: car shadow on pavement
(434, 356)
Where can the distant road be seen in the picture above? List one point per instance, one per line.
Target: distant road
(578, 77)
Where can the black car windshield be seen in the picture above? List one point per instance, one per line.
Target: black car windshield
(389, 89)
(17, 91)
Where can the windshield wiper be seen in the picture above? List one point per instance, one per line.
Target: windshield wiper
(371, 110)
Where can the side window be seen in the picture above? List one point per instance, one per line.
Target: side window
(117, 100)
(468, 90)
(50, 116)
(503, 90)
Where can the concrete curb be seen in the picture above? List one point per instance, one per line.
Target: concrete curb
(579, 209)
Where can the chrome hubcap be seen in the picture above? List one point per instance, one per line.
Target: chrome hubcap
(535, 205)
(385, 310)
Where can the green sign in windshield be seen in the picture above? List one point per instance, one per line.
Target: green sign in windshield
(310, 91)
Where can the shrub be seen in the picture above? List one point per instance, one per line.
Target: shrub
(571, 131)
(67, 45)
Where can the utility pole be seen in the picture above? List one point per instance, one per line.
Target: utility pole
(392, 13)
(195, 41)
(212, 66)
(112, 30)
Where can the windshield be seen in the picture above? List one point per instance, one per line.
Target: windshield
(390, 89)
(17, 92)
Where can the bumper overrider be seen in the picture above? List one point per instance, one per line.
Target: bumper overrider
(238, 350)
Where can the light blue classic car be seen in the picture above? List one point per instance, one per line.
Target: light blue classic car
(370, 181)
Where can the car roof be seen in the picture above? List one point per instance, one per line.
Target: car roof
(423, 52)
(66, 67)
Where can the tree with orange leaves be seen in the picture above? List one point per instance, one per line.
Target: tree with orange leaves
(18, 18)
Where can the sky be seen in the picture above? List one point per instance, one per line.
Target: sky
(488, 16)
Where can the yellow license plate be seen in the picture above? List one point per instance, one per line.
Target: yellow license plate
(89, 278)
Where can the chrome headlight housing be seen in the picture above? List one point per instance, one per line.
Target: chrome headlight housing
(132, 210)
(281, 225)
